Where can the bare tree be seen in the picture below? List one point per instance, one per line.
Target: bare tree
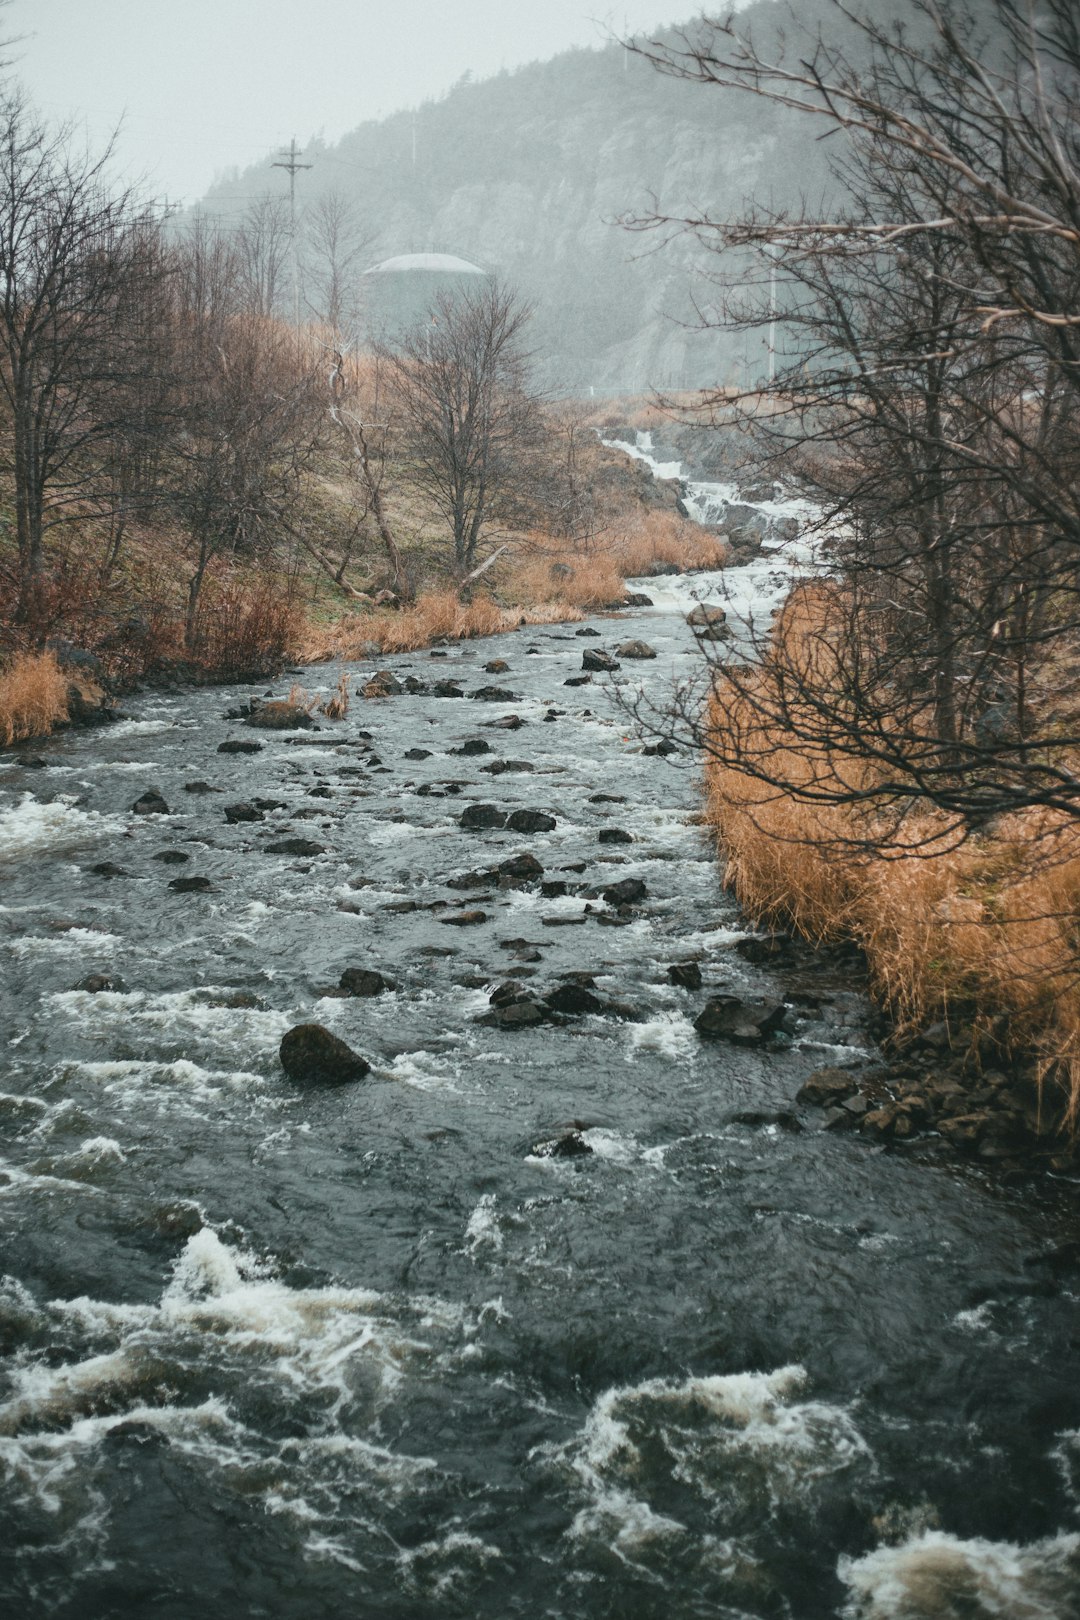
(461, 385)
(68, 250)
(929, 394)
(263, 243)
(336, 246)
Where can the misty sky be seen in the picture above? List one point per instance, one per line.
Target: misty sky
(202, 85)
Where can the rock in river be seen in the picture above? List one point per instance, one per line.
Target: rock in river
(628, 892)
(708, 622)
(730, 1018)
(530, 821)
(239, 745)
(482, 818)
(310, 1052)
(242, 812)
(295, 846)
(636, 649)
(151, 804)
(363, 982)
(687, 975)
(595, 659)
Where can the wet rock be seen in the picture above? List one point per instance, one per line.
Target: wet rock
(608, 798)
(638, 599)
(494, 694)
(614, 835)
(32, 762)
(497, 666)
(578, 680)
(627, 892)
(708, 622)
(663, 749)
(150, 804)
(556, 889)
(687, 975)
(134, 1432)
(109, 869)
(601, 662)
(509, 722)
(473, 880)
(280, 716)
(417, 753)
(518, 1015)
(936, 1036)
(530, 821)
(310, 1053)
(571, 1146)
(414, 687)
(192, 885)
(383, 684)
(964, 1130)
(401, 908)
(761, 1118)
(200, 787)
(587, 631)
(826, 1087)
(171, 857)
(96, 983)
(320, 792)
(242, 812)
(573, 1000)
(482, 818)
(239, 1001)
(475, 745)
(524, 868)
(447, 689)
(635, 649)
(770, 950)
(363, 982)
(465, 919)
(269, 804)
(507, 994)
(239, 745)
(744, 1023)
(502, 767)
(295, 846)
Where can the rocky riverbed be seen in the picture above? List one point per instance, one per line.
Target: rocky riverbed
(560, 1301)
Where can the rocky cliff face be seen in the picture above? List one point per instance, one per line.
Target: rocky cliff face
(529, 174)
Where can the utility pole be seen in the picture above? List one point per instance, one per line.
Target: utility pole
(288, 160)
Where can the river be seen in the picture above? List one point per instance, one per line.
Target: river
(373, 1349)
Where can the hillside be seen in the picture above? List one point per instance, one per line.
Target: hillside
(528, 174)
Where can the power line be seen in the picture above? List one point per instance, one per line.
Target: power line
(289, 161)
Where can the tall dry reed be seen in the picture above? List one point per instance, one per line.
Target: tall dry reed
(33, 697)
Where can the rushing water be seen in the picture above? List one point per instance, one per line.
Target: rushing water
(301, 1353)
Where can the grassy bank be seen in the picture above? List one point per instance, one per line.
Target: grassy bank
(984, 935)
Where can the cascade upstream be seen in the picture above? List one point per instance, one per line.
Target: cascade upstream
(375, 1349)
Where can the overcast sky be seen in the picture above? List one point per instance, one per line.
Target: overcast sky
(202, 85)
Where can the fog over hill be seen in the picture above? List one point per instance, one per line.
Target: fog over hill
(528, 174)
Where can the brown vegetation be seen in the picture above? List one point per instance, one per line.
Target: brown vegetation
(981, 933)
(33, 697)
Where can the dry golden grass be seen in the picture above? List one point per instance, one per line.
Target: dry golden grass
(966, 934)
(33, 697)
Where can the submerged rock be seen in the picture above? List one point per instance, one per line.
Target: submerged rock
(239, 745)
(465, 919)
(571, 1146)
(515, 1015)
(95, 984)
(311, 1053)
(202, 787)
(192, 885)
(494, 694)
(614, 835)
(171, 857)
(109, 869)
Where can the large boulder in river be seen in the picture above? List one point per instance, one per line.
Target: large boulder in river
(382, 684)
(730, 1018)
(363, 982)
(311, 1053)
(280, 715)
(708, 622)
(598, 660)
